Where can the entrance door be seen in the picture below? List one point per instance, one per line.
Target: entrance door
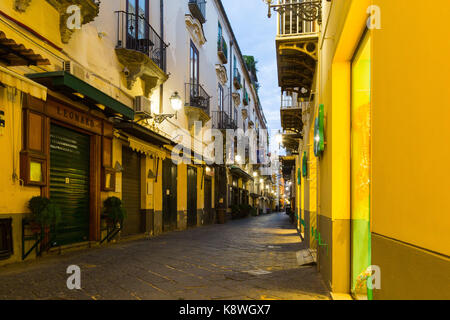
(361, 169)
(131, 191)
(208, 207)
(69, 183)
(192, 197)
(169, 195)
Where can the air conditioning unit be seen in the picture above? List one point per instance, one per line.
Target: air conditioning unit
(74, 69)
(142, 105)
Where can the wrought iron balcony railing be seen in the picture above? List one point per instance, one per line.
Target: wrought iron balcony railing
(135, 33)
(222, 121)
(237, 79)
(246, 99)
(198, 9)
(197, 97)
(296, 17)
(222, 49)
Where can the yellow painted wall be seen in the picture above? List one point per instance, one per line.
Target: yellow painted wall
(182, 187)
(411, 102)
(14, 196)
(340, 36)
(45, 24)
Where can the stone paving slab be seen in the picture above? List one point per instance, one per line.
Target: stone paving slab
(254, 258)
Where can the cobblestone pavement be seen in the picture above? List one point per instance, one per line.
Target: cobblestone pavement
(211, 262)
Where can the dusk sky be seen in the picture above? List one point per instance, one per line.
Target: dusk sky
(256, 36)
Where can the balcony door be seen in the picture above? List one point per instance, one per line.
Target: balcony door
(194, 71)
(137, 25)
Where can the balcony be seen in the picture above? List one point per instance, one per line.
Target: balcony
(198, 10)
(222, 121)
(297, 45)
(237, 79)
(291, 141)
(246, 99)
(222, 50)
(291, 114)
(197, 103)
(141, 50)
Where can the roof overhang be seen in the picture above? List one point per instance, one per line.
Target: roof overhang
(14, 54)
(77, 89)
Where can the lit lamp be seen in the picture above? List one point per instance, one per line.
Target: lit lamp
(279, 139)
(177, 104)
(238, 159)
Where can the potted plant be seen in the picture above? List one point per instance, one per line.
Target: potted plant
(235, 211)
(253, 212)
(44, 214)
(245, 210)
(114, 212)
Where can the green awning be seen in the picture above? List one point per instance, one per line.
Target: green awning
(239, 172)
(68, 84)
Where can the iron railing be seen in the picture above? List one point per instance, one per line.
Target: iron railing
(196, 96)
(246, 99)
(298, 17)
(135, 33)
(198, 9)
(237, 79)
(222, 121)
(222, 49)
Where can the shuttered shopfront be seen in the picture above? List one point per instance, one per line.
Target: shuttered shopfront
(69, 183)
(131, 191)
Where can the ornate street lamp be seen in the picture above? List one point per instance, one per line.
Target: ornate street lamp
(177, 104)
(306, 10)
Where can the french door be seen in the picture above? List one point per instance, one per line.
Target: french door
(137, 25)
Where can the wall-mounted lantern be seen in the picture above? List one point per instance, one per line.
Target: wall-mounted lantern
(176, 103)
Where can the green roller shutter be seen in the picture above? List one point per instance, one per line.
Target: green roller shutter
(131, 191)
(69, 183)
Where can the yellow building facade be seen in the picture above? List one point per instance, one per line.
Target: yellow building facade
(375, 196)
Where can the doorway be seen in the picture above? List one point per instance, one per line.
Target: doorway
(169, 195)
(191, 197)
(70, 183)
(209, 217)
(131, 191)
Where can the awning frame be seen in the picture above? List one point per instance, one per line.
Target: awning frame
(63, 79)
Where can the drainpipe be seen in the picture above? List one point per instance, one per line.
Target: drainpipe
(231, 78)
(161, 34)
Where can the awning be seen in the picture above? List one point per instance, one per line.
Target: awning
(70, 85)
(14, 54)
(142, 147)
(195, 157)
(142, 133)
(11, 79)
(238, 171)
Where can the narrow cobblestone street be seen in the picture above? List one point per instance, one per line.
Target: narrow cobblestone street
(213, 262)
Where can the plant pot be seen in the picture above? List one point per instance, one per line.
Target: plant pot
(221, 216)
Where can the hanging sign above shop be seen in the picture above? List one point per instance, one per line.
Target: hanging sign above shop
(319, 141)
